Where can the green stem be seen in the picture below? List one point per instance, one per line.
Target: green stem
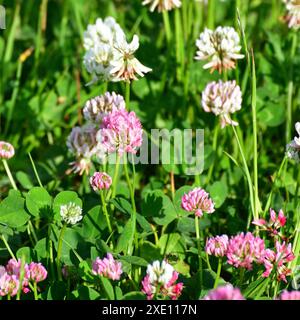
(247, 173)
(218, 273)
(215, 146)
(211, 14)
(127, 94)
(255, 154)
(8, 172)
(34, 170)
(167, 26)
(41, 26)
(33, 231)
(59, 249)
(105, 211)
(12, 34)
(289, 110)
(35, 292)
(199, 250)
(130, 245)
(278, 174)
(8, 247)
(114, 182)
(14, 97)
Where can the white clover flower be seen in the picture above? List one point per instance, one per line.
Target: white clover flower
(221, 47)
(82, 143)
(293, 148)
(108, 56)
(162, 5)
(222, 99)
(293, 13)
(96, 108)
(125, 65)
(71, 213)
(160, 272)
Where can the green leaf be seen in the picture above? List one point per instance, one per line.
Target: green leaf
(6, 230)
(134, 295)
(108, 288)
(122, 205)
(93, 223)
(27, 253)
(86, 293)
(126, 236)
(12, 212)
(57, 291)
(272, 114)
(41, 249)
(63, 198)
(218, 192)
(142, 221)
(171, 243)
(38, 201)
(135, 260)
(150, 252)
(24, 179)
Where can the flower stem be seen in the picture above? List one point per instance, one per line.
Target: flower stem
(211, 14)
(36, 297)
(116, 173)
(199, 250)
(215, 147)
(167, 26)
(59, 249)
(8, 247)
(130, 246)
(289, 110)
(257, 206)
(8, 172)
(105, 211)
(127, 94)
(35, 171)
(247, 173)
(218, 273)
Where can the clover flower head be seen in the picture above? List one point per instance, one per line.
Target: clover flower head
(227, 292)
(125, 66)
(217, 246)
(245, 249)
(293, 148)
(277, 260)
(7, 151)
(100, 181)
(198, 202)
(107, 267)
(121, 131)
(98, 41)
(108, 56)
(161, 280)
(289, 295)
(276, 222)
(37, 272)
(96, 108)
(221, 47)
(82, 143)
(222, 99)
(71, 213)
(9, 285)
(292, 16)
(162, 5)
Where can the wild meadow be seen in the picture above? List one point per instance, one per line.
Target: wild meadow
(86, 213)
